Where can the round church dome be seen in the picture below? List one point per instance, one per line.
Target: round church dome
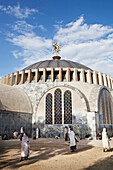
(56, 62)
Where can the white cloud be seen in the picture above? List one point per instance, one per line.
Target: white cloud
(42, 28)
(23, 27)
(91, 45)
(78, 32)
(17, 11)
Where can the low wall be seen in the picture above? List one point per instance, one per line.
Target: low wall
(13, 121)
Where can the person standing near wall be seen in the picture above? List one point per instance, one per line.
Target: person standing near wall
(24, 147)
(66, 133)
(105, 141)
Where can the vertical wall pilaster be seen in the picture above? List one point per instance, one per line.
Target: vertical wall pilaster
(12, 79)
(5, 80)
(44, 75)
(105, 80)
(60, 74)
(82, 77)
(100, 79)
(89, 77)
(75, 74)
(36, 75)
(8, 79)
(23, 77)
(52, 74)
(109, 83)
(30, 76)
(17, 78)
(95, 77)
(68, 75)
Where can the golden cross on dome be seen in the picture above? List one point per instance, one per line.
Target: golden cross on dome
(56, 48)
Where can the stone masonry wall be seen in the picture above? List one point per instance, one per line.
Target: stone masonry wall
(13, 121)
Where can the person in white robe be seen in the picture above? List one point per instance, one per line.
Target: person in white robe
(72, 140)
(24, 147)
(105, 140)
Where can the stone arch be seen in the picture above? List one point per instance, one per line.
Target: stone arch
(82, 96)
(105, 105)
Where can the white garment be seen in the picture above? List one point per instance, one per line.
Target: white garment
(105, 140)
(24, 146)
(72, 138)
(37, 133)
(21, 130)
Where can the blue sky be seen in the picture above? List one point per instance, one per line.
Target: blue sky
(28, 30)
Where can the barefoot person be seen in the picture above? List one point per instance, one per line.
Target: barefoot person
(105, 140)
(24, 147)
(72, 140)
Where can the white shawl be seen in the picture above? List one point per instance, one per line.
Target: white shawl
(105, 140)
(72, 138)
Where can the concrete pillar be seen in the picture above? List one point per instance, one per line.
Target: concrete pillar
(75, 74)
(8, 79)
(105, 80)
(68, 75)
(100, 79)
(17, 78)
(44, 75)
(23, 77)
(5, 80)
(30, 76)
(95, 77)
(89, 77)
(37, 75)
(52, 74)
(60, 74)
(82, 77)
(12, 79)
(109, 83)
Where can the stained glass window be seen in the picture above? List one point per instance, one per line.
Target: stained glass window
(58, 106)
(67, 107)
(49, 108)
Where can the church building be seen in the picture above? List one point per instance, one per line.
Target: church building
(55, 93)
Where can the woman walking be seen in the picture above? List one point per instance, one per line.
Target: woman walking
(24, 147)
(72, 140)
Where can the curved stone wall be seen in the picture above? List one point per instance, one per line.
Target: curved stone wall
(14, 99)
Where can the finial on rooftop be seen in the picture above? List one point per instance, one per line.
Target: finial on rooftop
(56, 48)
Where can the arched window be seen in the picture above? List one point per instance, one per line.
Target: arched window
(58, 106)
(49, 108)
(105, 106)
(67, 107)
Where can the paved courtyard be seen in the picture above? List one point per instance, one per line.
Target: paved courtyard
(54, 154)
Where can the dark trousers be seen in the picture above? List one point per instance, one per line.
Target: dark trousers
(73, 148)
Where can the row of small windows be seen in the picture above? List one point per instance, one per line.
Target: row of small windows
(58, 107)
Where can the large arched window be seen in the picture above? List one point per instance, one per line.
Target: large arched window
(105, 105)
(58, 107)
(67, 107)
(49, 108)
